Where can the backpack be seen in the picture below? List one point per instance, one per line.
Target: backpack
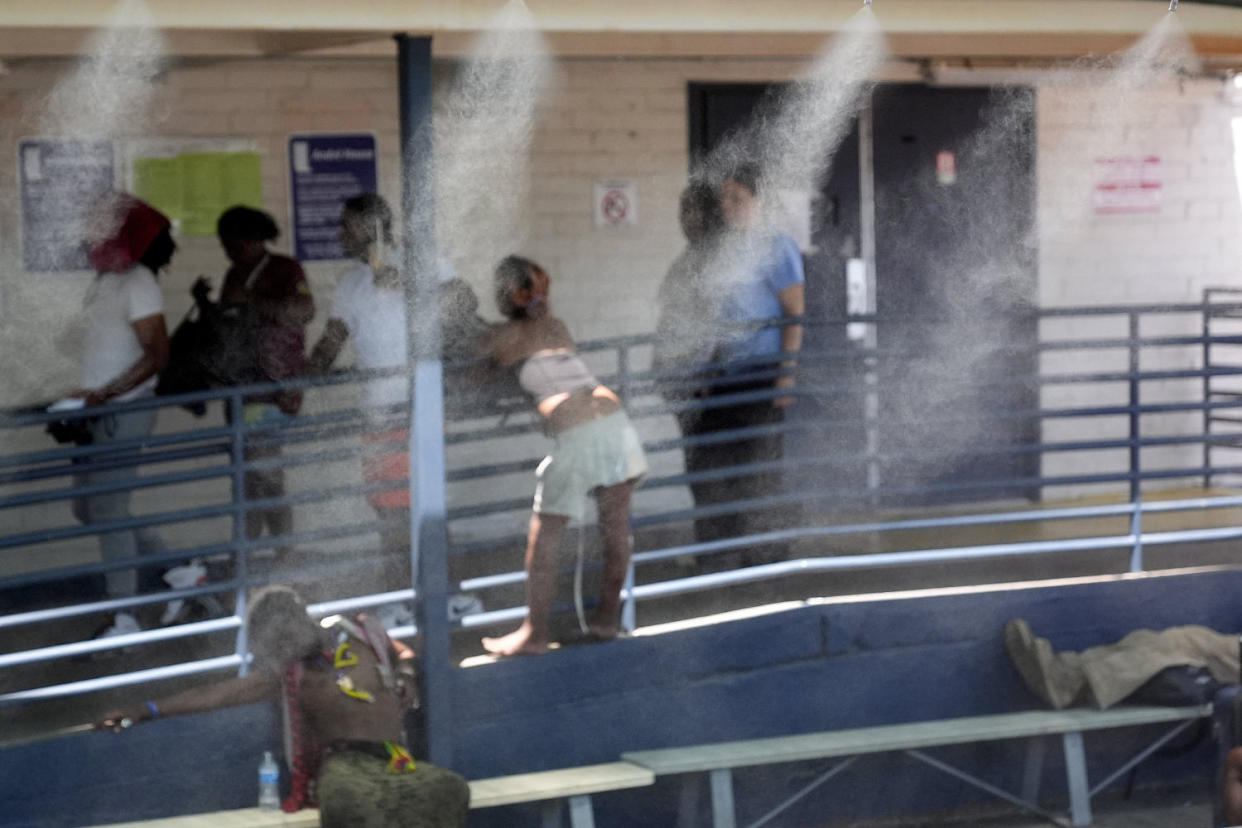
(209, 348)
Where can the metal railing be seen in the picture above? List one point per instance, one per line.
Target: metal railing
(1157, 375)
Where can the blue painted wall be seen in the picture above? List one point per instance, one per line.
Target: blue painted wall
(837, 665)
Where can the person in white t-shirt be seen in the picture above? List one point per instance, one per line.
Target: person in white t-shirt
(126, 348)
(369, 308)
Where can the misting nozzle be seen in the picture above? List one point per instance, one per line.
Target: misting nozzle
(1172, 5)
(867, 3)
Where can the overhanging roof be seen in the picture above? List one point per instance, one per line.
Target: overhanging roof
(1002, 29)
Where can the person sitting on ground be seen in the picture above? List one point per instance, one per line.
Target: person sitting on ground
(597, 452)
(1105, 675)
(346, 686)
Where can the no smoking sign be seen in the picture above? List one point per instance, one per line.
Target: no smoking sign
(616, 202)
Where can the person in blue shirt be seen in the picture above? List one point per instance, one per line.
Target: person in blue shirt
(760, 277)
(770, 284)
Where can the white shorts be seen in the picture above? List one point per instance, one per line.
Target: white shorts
(603, 452)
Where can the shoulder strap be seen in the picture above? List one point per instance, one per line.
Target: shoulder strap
(371, 632)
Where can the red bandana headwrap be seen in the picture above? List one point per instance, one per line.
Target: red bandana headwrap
(128, 227)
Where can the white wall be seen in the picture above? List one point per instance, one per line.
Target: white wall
(622, 118)
(1086, 258)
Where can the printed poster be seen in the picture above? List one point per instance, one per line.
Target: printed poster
(61, 180)
(325, 170)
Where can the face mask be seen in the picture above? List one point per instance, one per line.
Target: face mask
(536, 306)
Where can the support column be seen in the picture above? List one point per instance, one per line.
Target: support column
(428, 535)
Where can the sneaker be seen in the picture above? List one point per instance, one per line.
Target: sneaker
(463, 604)
(395, 615)
(122, 623)
(179, 610)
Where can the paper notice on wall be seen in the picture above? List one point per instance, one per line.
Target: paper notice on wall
(1128, 185)
(61, 181)
(160, 183)
(193, 188)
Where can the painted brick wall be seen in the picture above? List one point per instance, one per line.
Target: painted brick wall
(613, 118)
(1087, 258)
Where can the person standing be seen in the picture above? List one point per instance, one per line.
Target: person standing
(759, 275)
(369, 307)
(125, 349)
(268, 303)
(687, 328)
(597, 453)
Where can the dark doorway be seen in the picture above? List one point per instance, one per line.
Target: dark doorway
(828, 429)
(955, 285)
(955, 282)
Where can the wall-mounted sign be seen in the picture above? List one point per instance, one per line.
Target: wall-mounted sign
(61, 180)
(325, 170)
(946, 168)
(616, 202)
(1128, 185)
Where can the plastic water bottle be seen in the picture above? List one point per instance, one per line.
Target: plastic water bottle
(269, 783)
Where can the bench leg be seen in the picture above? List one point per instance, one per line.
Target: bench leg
(688, 804)
(550, 813)
(580, 813)
(723, 815)
(1076, 776)
(1034, 770)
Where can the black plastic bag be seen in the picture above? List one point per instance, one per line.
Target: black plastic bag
(1181, 686)
(76, 430)
(209, 348)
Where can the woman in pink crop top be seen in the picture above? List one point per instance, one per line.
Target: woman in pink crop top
(597, 453)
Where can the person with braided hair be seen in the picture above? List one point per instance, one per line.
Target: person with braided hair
(345, 686)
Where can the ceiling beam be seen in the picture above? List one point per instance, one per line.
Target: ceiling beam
(1013, 29)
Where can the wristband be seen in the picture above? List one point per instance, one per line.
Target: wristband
(155, 711)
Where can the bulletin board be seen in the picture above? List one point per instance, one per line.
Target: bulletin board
(193, 181)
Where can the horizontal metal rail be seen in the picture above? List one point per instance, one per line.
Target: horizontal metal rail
(905, 525)
(915, 557)
(506, 418)
(77, 688)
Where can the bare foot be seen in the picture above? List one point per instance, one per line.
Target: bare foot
(603, 626)
(521, 641)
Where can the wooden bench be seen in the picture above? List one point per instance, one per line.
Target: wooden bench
(553, 788)
(719, 759)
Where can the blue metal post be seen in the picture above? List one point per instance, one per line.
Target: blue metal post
(1206, 328)
(428, 534)
(237, 461)
(1136, 451)
(623, 373)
